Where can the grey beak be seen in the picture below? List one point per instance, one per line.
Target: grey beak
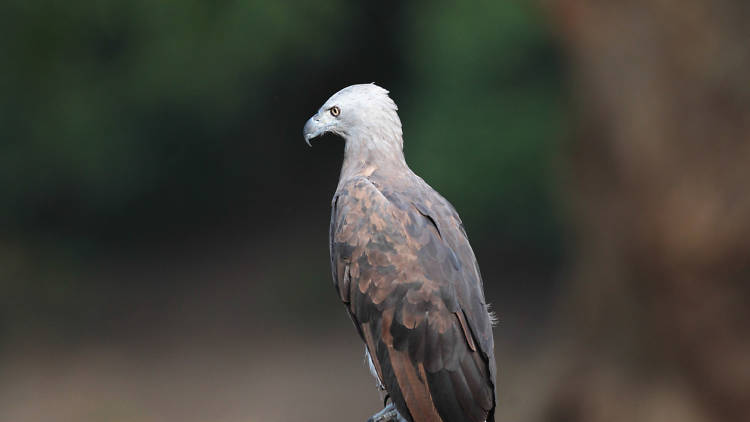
(311, 130)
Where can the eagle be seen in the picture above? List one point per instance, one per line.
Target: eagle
(405, 271)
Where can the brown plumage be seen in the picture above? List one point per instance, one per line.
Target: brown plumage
(404, 269)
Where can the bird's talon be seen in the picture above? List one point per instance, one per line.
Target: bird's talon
(388, 414)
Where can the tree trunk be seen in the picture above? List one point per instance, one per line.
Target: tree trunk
(659, 176)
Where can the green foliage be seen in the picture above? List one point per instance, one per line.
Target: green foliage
(120, 117)
(102, 101)
(485, 114)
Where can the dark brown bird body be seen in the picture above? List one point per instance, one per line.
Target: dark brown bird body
(403, 266)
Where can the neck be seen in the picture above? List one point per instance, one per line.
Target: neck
(365, 154)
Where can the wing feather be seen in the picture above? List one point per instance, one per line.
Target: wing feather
(403, 266)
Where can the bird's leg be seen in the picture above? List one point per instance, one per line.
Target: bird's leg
(388, 414)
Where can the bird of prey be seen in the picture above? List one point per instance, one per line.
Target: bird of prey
(403, 267)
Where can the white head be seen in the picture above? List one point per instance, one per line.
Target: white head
(363, 114)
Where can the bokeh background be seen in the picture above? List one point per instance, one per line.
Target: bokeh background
(163, 246)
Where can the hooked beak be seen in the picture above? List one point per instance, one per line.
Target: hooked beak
(313, 129)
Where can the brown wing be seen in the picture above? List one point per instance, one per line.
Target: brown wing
(414, 293)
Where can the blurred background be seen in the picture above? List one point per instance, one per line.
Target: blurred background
(163, 236)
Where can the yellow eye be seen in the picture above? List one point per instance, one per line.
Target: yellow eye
(335, 111)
